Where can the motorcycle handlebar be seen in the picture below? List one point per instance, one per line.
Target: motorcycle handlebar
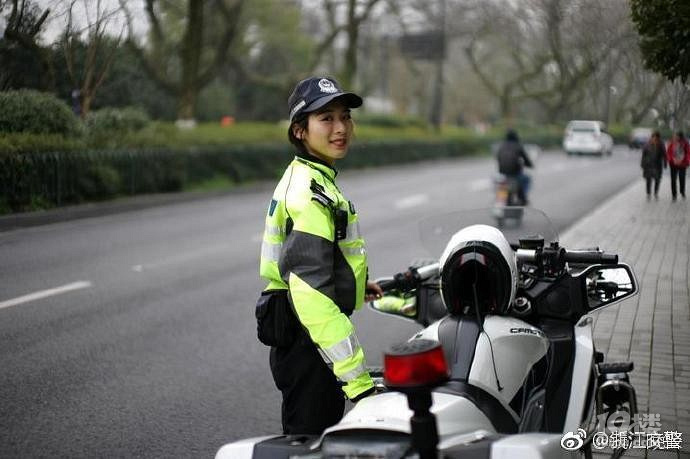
(409, 279)
(592, 257)
(572, 256)
(387, 285)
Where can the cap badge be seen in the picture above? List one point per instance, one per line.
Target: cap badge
(327, 86)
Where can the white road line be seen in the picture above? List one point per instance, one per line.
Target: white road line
(411, 201)
(45, 293)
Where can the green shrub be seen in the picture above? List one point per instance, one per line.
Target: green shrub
(389, 121)
(26, 142)
(98, 181)
(36, 112)
(119, 120)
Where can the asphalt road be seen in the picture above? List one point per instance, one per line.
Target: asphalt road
(133, 334)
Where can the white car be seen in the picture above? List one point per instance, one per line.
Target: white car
(587, 137)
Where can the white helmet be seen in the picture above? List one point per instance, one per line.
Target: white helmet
(478, 262)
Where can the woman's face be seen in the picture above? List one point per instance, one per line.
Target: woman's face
(329, 131)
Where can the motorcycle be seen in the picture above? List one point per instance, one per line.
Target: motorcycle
(507, 196)
(526, 383)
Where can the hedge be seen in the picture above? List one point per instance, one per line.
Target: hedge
(57, 179)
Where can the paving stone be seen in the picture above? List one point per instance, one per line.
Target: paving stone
(652, 329)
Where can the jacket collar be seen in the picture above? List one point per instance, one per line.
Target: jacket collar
(316, 163)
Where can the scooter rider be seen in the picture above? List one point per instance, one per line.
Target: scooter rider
(511, 158)
(313, 251)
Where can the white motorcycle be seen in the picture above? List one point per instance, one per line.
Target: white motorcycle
(506, 366)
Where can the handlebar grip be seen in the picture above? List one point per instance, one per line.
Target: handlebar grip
(591, 257)
(388, 284)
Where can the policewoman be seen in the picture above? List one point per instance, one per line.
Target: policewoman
(315, 262)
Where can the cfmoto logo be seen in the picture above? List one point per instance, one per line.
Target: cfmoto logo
(573, 441)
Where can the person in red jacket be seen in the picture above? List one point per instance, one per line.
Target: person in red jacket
(678, 157)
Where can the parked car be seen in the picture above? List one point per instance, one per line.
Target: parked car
(587, 137)
(639, 136)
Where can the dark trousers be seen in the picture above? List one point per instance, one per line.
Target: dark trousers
(312, 396)
(680, 173)
(653, 179)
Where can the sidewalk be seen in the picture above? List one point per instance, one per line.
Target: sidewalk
(653, 328)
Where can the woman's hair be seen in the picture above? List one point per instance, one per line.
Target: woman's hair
(302, 120)
(656, 134)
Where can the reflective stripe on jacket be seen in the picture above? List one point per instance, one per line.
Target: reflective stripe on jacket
(326, 278)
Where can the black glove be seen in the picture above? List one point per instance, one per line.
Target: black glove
(366, 393)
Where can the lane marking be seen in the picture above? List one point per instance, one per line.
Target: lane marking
(45, 293)
(411, 201)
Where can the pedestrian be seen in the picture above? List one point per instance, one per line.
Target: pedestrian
(512, 159)
(652, 162)
(315, 262)
(678, 157)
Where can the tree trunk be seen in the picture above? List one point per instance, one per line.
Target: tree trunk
(350, 65)
(187, 104)
(86, 100)
(190, 56)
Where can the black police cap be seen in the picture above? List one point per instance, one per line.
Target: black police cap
(315, 92)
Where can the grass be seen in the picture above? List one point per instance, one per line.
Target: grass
(217, 183)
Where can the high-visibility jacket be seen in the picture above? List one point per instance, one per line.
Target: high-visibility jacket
(312, 247)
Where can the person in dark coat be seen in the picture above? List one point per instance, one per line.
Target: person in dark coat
(652, 162)
(512, 159)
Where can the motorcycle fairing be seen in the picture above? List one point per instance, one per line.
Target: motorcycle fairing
(582, 372)
(389, 411)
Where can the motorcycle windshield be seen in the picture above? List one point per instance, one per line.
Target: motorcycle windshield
(514, 222)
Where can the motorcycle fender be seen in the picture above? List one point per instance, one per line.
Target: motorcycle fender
(531, 446)
(241, 449)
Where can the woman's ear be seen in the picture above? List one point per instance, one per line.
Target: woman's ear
(297, 131)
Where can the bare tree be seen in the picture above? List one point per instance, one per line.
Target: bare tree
(98, 48)
(343, 17)
(181, 66)
(545, 50)
(23, 27)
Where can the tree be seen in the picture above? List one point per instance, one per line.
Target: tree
(263, 67)
(23, 28)
(664, 28)
(355, 14)
(545, 51)
(91, 45)
(181, 64)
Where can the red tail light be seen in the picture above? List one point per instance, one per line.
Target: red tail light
(419, 362)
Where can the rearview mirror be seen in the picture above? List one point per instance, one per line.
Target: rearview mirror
(606, 285)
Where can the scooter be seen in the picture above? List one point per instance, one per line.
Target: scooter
(507, 204)
(524, 384)
(507, 198)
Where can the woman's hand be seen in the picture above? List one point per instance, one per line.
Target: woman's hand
(372, 291)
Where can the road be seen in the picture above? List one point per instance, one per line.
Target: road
(133, 334)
